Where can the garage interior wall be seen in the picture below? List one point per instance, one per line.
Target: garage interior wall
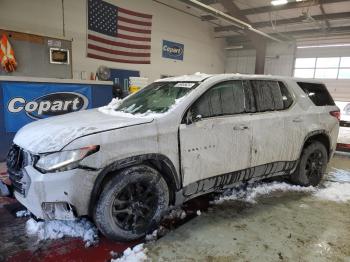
(202, 51)
(339, 88)
(280, 60)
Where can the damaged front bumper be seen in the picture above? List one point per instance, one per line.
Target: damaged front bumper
(64, 195)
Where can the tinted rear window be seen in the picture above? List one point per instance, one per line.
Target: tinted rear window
(318, 93)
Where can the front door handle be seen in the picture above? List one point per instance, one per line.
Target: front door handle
(240, 127)
(297, 120)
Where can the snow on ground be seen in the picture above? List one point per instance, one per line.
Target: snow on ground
(253, 191)
(175, 213)
(152, 237)
(137, 254)
(329, 191)
(55, 229)
(22, 213)
(334, 191)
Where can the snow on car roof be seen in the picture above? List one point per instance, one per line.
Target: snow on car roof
(199, 77)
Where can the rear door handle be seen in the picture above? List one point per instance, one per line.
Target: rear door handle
(241, 127)
(297, 120)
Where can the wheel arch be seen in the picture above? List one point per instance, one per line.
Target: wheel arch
(320, 136)
(158, 161)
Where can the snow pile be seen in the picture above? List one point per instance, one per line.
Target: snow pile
(335, 191)
(113, 105)
(22, 213)
(55, 229)
(252, 191)
(152, 237)
(137, 254)
(110, 109)
(175, 213)
(339, 175)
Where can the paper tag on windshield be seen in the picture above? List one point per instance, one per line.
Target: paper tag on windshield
(185, 85)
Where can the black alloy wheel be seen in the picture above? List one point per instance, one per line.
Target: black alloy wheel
(312, 165)
(135, 205)
(131, 203)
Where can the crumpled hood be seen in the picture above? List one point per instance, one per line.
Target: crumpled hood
(52, 134)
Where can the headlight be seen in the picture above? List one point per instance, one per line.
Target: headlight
(64, 160)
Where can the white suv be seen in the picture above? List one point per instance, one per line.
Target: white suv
(177, 138)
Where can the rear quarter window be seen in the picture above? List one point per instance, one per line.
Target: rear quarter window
(318, 93)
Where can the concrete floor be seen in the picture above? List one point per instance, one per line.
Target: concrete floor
(280, 227)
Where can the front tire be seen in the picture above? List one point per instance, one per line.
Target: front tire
(312, 165)
(132, 203)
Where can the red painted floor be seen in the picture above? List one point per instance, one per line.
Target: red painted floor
(16, 245)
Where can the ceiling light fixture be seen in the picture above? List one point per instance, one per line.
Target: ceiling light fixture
(318, 46)
(234, 47)
(279, 2)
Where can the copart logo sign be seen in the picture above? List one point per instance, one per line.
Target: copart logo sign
(26, 102)
(172, 50)
(49, 105)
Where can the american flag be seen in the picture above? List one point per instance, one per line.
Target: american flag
(117, 34)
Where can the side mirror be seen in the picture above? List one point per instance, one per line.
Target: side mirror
(198, 118)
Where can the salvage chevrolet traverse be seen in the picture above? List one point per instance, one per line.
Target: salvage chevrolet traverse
(178, 138)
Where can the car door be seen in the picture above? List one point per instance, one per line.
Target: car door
(218, 141)
(294, 124)
(270, 142)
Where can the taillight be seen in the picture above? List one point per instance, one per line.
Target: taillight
(336, 114)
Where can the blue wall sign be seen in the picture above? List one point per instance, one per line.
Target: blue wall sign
(25, 102)
(172, 50)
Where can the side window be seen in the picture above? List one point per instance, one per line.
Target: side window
(271, 95)
(202, 106)
(286, 96)
(226, 98)
(318, 93)
(263, 95)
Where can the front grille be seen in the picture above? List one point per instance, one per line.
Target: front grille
(16, 182)
(17, 159)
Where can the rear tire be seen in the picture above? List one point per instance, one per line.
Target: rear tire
(132, 203)
(312, 165)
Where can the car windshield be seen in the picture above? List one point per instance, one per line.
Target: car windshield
(158, 97)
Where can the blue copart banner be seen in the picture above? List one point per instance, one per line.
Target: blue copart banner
(27, 102)
(173, 50)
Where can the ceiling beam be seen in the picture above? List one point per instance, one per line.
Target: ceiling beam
(232, 40)
(324, 17)
(233, 10)
(291, 5)
(293, 20)
(208, 2)
(240, 24)
(208, 17)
